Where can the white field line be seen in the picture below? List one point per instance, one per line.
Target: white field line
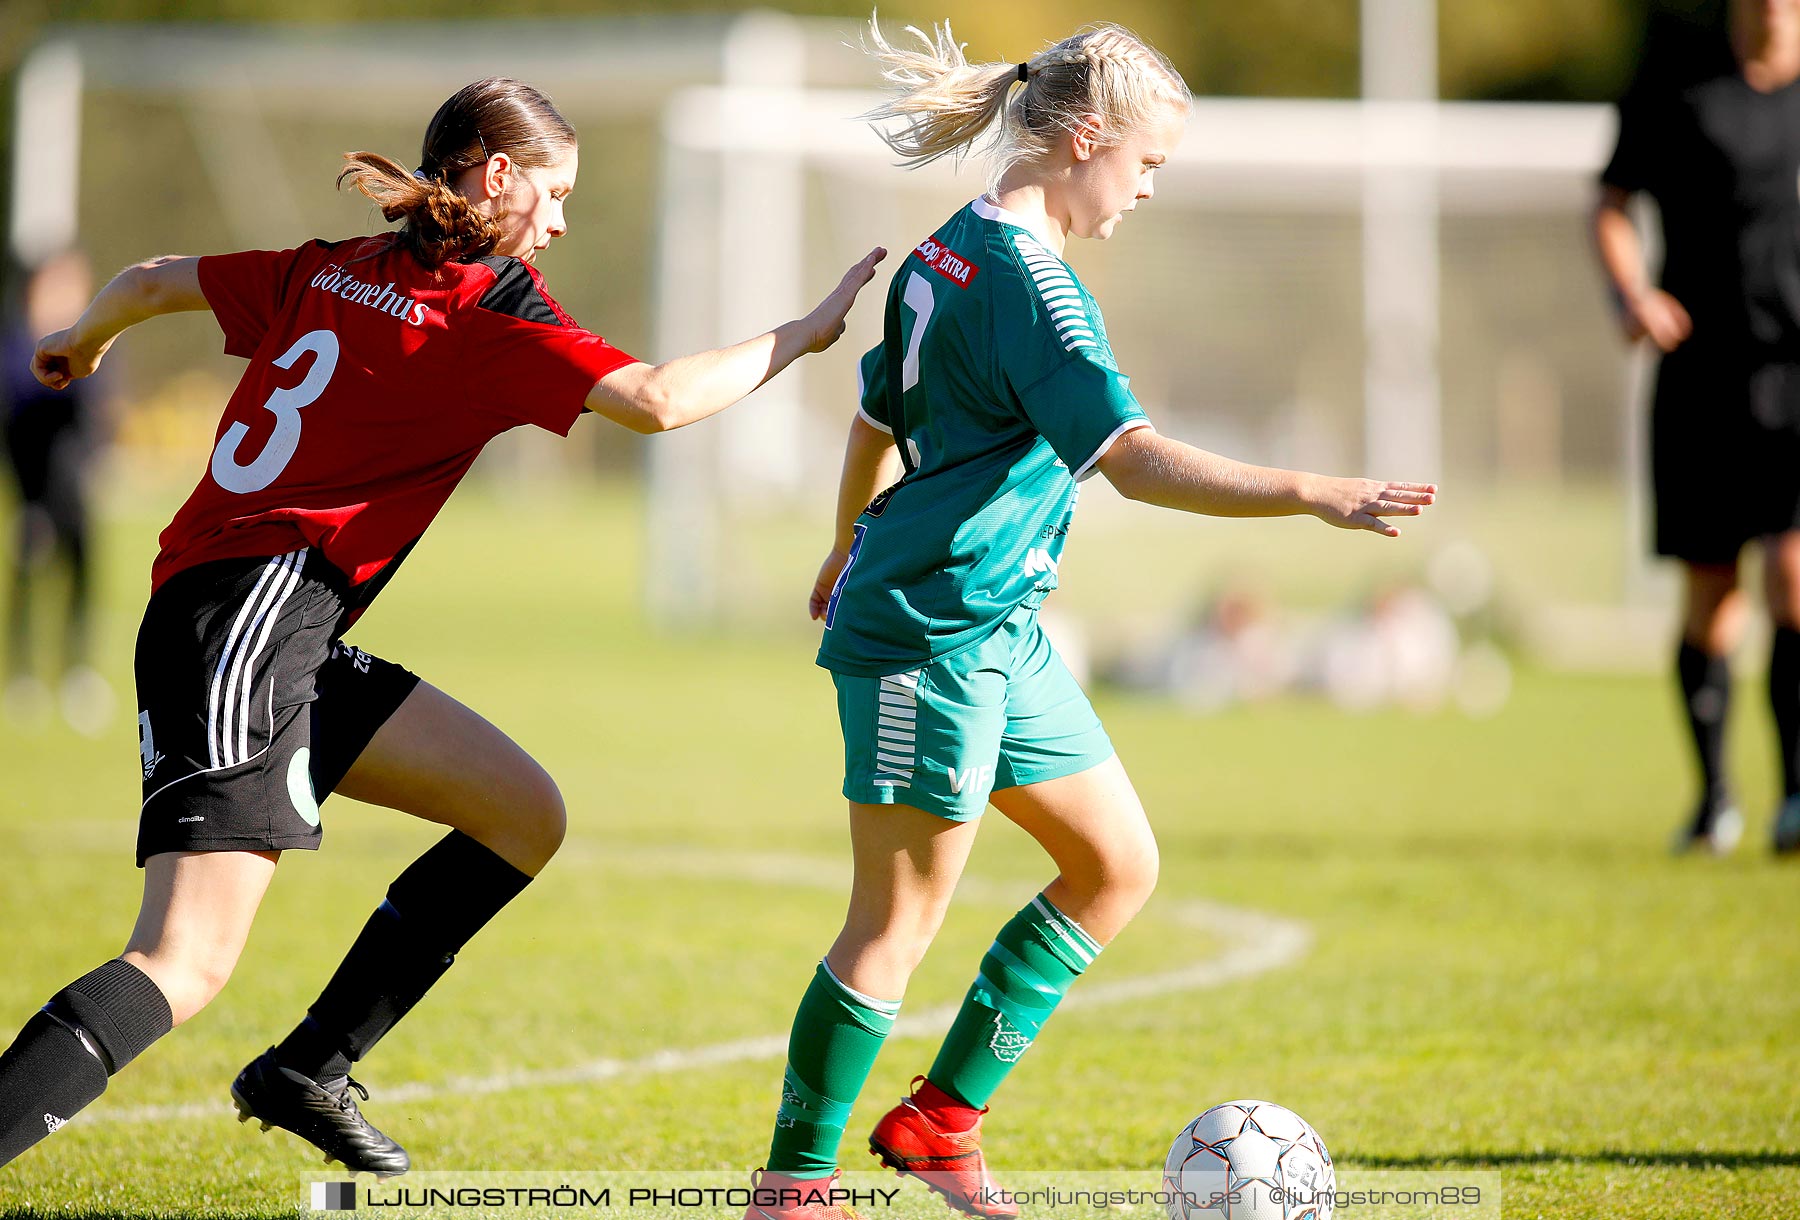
(1254, 943)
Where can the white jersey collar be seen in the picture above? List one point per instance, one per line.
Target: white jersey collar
(987, 209)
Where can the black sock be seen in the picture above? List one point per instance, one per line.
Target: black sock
(432, 909)
(1784, 700)
(1706, 691)
(61, 1059)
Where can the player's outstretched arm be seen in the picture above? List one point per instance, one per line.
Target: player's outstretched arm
(1156, 470)
(871, 465)
(170, 284)
(658, 397)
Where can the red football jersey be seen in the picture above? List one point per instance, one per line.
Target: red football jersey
(373, 384)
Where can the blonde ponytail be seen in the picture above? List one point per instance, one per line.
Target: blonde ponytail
(946, 105)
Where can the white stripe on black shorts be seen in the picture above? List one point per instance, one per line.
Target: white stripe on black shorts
(250, 709)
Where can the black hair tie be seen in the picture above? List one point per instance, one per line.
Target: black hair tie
(1024, 71)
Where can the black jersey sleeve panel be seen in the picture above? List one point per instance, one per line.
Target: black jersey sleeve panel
(516, 293)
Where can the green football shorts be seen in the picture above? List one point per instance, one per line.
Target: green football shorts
(1004, 712)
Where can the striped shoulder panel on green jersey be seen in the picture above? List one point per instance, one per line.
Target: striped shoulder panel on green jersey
(1063, 299)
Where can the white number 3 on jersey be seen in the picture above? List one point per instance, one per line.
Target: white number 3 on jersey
(285, 405)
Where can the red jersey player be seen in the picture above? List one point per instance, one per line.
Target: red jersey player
(379, 367)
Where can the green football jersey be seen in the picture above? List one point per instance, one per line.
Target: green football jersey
(996, 380)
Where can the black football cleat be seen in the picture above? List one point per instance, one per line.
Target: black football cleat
(321, 1112)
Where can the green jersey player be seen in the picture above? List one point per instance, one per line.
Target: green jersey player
(993, 393)
(1019, 399)
(945, 573)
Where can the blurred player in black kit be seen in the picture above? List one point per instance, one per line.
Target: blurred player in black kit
(1710, 129)
(49, 439)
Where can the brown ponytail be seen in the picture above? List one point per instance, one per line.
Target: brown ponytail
(490, 116)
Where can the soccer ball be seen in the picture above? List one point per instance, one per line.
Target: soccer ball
(1249, 1160)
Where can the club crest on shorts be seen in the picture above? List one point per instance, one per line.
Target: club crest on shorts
(147, 746)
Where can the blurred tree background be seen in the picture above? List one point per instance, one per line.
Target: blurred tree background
(1545, 50)
(1538, 50)
(1523, 50)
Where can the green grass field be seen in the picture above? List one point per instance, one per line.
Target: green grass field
(1502, 968)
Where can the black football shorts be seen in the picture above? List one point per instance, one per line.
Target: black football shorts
(250, 709)
(1725, 452)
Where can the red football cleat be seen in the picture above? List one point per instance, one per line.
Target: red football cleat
(775, 1196)
(949, 1162)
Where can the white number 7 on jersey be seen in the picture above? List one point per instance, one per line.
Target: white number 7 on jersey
(234, 476)
(917, 298)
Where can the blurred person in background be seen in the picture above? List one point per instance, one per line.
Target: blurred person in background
(1710, 129)
(49, 439)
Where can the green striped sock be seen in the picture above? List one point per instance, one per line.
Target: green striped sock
(837, 1033)
(1027, 970)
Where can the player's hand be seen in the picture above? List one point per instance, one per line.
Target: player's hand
(825, 324)
(1656, 314)
(1360, 504)
(59, 360)
(829, 571)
